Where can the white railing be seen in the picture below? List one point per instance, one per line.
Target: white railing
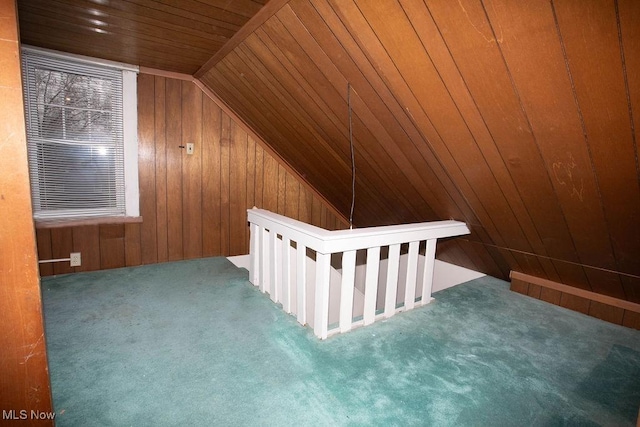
(333, 300)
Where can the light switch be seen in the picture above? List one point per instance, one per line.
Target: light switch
(189, 147)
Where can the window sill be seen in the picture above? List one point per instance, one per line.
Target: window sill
(78, 222)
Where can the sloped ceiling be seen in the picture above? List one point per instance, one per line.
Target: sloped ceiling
(520, 118)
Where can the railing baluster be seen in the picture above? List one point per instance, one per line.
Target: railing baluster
(273, 264)
(412, 273)
(427, 275)
(264, 260)
(346, 290)
(286, 274)
(321, 317)
(301, 283)
(392, 280)
(254, 254)
(371, 284)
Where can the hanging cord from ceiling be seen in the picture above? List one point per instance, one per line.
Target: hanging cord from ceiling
(353, 159)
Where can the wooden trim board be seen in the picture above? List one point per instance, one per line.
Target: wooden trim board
(614, 310)
(80, 222)
(256, 21)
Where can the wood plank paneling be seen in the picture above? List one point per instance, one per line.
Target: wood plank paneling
(225, 184)
(378, 126)
(25, 377)
(519, 223)
(191, 205)
(175, 183)
(292, 196)
(250, 200)
(238, 189)
(85, 240)
(259, 176)
(112, 252)
(159, 102)
(175, 36)
(282, 190)
(489, 82)
(606, 312)
(374, 116)
(291, 130)
(519, 118)
(308, 82)
(61, 247)
(132, 245)
(270, 188)
(434, 151)
(509, 116)
(575, 303)
(592, 40)
(212, 122)
(631, 320)
(305, 205)
(560, 137)
(610, 309)
(43, 239)
(551, 296)
(629, 16)
(515, 118)
(191, 171)
(147, 168)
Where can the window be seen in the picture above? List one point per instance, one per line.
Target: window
(81, 136)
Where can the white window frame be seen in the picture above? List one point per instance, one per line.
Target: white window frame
(130, 127)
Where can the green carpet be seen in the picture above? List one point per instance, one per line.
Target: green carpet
(192, 343)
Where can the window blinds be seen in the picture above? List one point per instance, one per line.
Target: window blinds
(75, 137)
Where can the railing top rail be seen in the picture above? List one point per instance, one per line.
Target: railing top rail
(325, 241)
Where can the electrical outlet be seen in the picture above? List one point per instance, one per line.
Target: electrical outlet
(189, 147)
(76, 261)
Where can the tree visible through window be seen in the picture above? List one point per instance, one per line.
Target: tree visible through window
(75, 127)
(75, 137)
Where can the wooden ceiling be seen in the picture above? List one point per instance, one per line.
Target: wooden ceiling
(173, 35)
(520, 118)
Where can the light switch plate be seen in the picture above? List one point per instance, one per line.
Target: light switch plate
(190, 148)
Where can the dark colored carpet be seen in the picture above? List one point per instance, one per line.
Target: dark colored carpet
(194, 344)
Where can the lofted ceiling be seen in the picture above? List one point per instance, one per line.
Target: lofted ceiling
(519, 118)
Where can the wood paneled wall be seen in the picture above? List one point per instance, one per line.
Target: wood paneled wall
(192, 206)
(24, 376)
(519, 118)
